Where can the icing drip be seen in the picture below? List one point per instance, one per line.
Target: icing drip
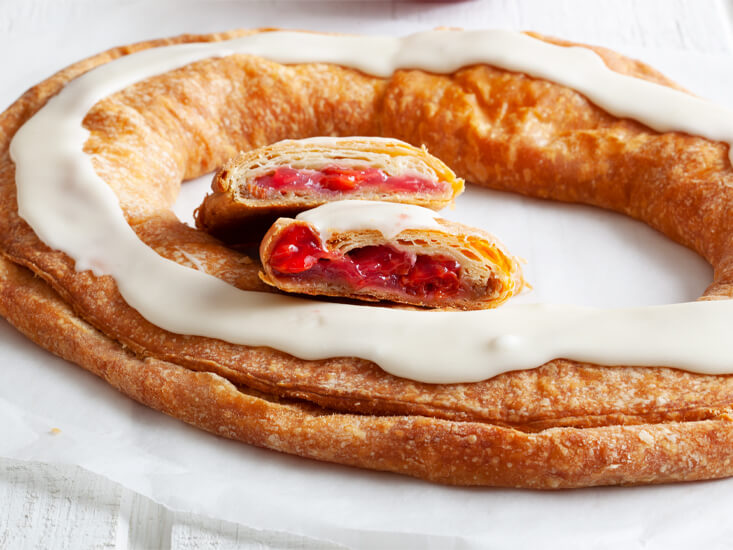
(73, 210)
(389, 218)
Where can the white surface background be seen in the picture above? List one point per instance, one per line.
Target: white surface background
(62, 506)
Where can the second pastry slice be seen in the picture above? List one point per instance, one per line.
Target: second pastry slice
(384, 251)
(252, 190)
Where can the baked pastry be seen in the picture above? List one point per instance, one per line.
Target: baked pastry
(562, 423)
(383, 251)
(255, 188)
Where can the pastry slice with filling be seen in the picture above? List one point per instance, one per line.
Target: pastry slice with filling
(372, 250)
(252, 190)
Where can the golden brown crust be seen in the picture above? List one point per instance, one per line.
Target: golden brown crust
(462, 453)
(237, 216)
(489, 275)
(562, 424)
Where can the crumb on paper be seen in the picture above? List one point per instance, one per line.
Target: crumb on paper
(55, 431)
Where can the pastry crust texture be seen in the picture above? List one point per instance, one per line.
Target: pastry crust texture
(562, 424)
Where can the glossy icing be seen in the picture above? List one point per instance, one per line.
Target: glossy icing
(389, 218)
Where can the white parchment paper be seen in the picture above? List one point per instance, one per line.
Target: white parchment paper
(576, 254)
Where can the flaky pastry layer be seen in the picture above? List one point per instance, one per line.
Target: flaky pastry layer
(563, 424)
(234, 214)
(489, 275)
(463, 453)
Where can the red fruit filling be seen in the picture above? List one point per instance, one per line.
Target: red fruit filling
(297, 250)
(340, 180)
(299, 253)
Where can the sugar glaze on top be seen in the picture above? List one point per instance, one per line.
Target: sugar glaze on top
(389, 218)
(73, 210)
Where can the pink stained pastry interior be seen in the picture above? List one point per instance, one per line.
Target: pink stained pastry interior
(299, 253)
(340, 180)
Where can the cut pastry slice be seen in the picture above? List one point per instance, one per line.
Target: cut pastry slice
(252, 190)
(372, 250)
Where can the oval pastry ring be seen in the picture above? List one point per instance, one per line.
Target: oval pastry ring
(526, 428)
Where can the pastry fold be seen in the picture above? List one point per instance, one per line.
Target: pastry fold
(448, 266)
(255, 188)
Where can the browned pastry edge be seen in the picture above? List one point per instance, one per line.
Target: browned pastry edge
(460, 453)
(490, 275)
(686, 414)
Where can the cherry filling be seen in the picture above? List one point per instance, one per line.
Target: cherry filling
(299, 253)
(340, 180)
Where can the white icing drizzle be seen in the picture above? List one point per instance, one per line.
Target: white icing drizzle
(389, 218)
(73, 210)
